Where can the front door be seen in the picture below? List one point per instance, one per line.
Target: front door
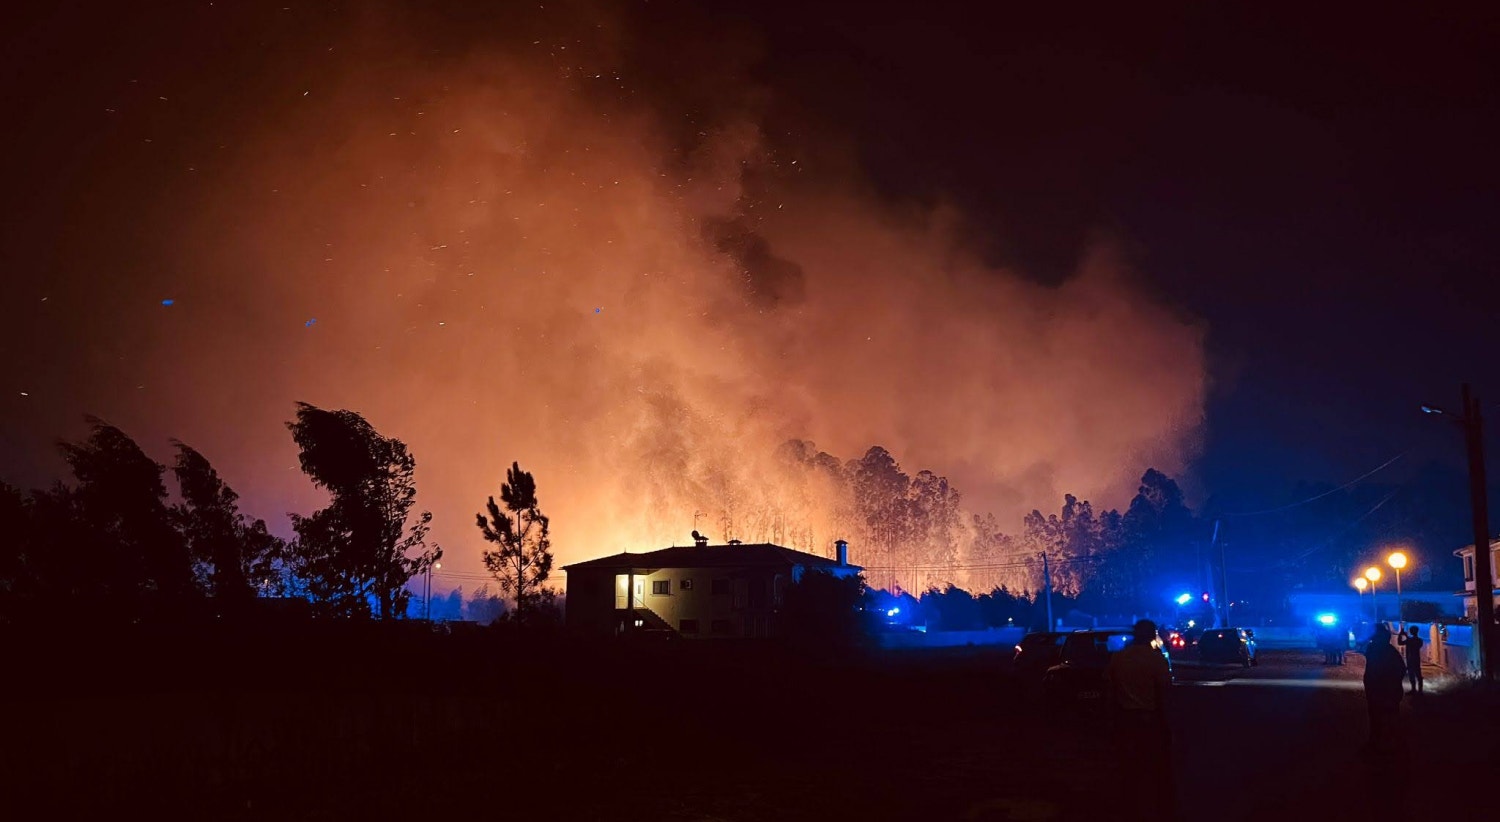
(638, 591)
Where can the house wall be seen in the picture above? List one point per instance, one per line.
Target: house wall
(1471, 605)
(1466, 556)
(590, 607)
(745, 608)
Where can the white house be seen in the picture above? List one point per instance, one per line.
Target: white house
(1471, 602)
(696, 591)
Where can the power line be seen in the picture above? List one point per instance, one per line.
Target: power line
(1317, 497)
(982, 567)
(1326, 543)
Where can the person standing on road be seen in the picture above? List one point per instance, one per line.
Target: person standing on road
(1413, 645)
(1383, 691)
(1137, 680)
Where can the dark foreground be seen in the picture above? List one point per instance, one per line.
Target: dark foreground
(398, 728)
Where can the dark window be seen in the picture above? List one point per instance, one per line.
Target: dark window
(719, 626)
(757, 593)
(688, 626)
(661, 587)
(685, 585)
(1468, 568)
(719, 586)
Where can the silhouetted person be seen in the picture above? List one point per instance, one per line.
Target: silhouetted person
(1137, 681)
(1413, 645)
(1383, 674)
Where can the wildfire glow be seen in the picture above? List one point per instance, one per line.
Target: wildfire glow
(516, 255)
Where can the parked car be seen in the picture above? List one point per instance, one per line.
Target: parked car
(1079, 675)
(1036, 653)
(1233, 645)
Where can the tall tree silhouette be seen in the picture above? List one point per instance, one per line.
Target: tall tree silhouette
(522, 559)
(120, 524)
(359, 548)
(235, 555)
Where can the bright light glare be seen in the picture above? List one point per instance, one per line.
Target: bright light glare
(1396, 560)
(892, 612)
(1361, 583)
(1372, 574)
(1184, 599)
(1191, 623)
(1327, 619)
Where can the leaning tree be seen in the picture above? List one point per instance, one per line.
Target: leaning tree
(358, 550)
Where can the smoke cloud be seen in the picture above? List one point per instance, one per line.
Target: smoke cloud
(520, 251)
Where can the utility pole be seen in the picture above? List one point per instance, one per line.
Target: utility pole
(1223, 575)
(1047, 583)
(1484, 586)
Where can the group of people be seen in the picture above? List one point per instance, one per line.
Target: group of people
(1384, 670)
(1138, 680)
(1334, 642)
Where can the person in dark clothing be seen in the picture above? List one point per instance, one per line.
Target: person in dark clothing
(1413, 645)
(1383, 674)
(1138, 682)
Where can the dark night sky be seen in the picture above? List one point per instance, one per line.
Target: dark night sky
(1317, 188)
(1322, 191)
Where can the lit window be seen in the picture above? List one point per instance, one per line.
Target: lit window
(661, 587)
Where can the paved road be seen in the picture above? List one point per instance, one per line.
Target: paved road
(1286, 740)
(681, 737)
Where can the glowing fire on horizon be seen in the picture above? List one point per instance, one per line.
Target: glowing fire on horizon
(506, 263)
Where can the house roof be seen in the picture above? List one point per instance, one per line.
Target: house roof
(1469, 549)
(712, 556)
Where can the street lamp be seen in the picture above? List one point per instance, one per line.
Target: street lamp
(1397, 560)
(1361, 583)
(1372, 573)
(427, 594)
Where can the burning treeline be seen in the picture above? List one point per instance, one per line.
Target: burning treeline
(525, 251)
(911, 532)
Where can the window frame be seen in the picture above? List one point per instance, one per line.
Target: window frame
(661, 587)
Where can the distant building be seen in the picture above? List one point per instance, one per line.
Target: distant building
(697, 591)
(1471, 601)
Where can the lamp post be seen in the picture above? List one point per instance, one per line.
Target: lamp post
(1397, 560)
(427, 592)
(1361, 583)
(1372, 573)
